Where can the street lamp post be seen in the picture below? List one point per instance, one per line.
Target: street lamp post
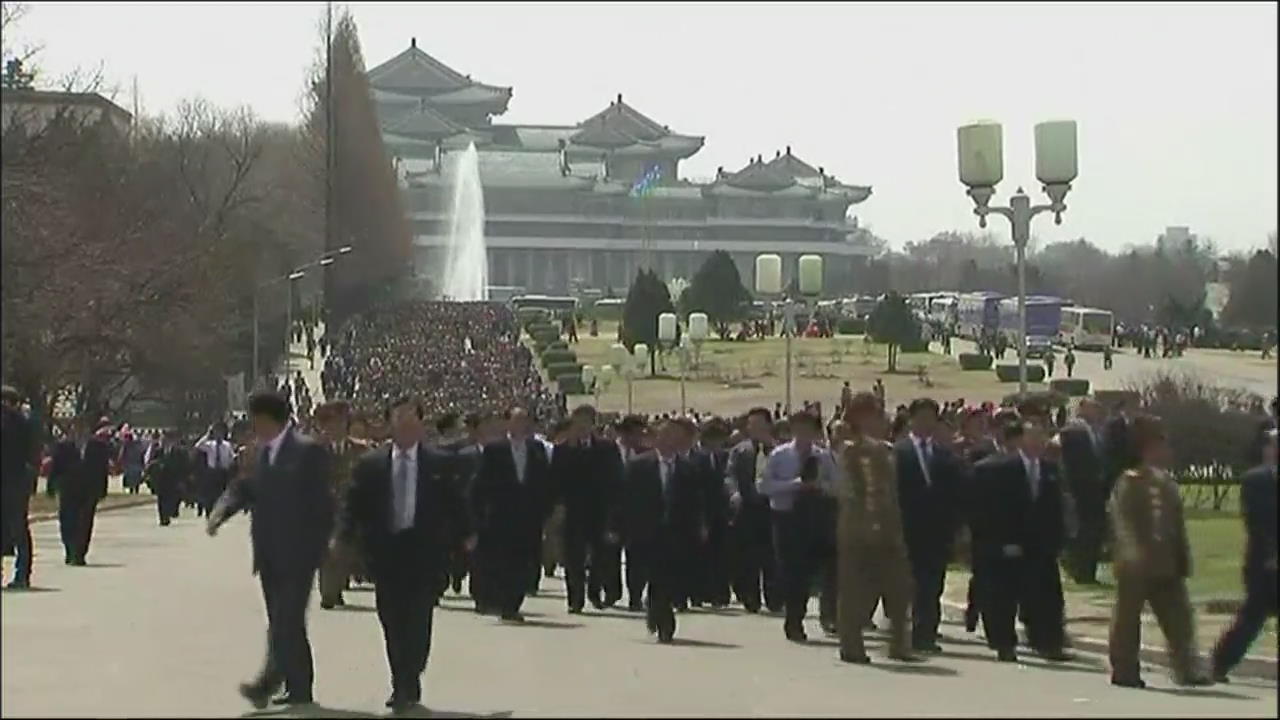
(980, 149)
(626, 365)
(769, 283)
(637, 362)
(288, 278)
(667, 338)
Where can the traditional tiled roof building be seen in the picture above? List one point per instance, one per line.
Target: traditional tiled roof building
(560, 211)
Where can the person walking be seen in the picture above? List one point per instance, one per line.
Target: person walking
(291, 517)
(17, 483)
(404, 510)
(170, 467)
(1070, 361)
(752, 562)
(1258, 504)
(341, 561)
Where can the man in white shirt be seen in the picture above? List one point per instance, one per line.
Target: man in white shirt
(215, 472)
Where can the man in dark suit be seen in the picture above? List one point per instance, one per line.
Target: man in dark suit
(1258, 504)
(291, 520)
(404, 512)
(1083, 467)
(631, 434)
(715, 573)
(929, 494)
(510, 501)
(588, 470)
(1022, 533)
(1117, 446)
(752, 564)
(460, 451)
(81, 465)
(662, 516)
(170, 468)
(17, 482)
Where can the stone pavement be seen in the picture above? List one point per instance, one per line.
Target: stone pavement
(166, 621)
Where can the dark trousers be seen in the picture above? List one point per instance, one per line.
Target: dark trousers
(604, 585)
(929, 571)
(75, 523)
(829, 600)
(167, 502)
(16, 529)
(1084, 552)
(665, 571)
(637, 571)
(800, 557)
(505, 561)
(1029, 588)
(753, 564)
(288, 650)
(715, 573)
(1259, 604)
(405, 609)
(211, 486)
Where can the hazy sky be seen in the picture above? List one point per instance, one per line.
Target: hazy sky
(1176, 103)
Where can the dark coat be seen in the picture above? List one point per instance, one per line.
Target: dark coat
(81, 477)
(1258, 504)
(499, 502)
(930, 510)
(1083, 464)
(741, 476)
(417, 555)
(1011, 517)
(647, 515)
(290, 506)
(588, 479)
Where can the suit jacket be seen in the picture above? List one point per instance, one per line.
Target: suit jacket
(930, 510)
(81, 477)
(740, 478)
(1258, 504)
(647, 514)
(588, 478)
(500, 502)
(1010, 516)
(708, 467)
(16, 434)
(290, 506)
(1083, 465)
(1118, 450)
(418, 554)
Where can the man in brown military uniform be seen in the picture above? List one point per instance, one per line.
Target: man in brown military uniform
(333, 420)
(871, 552)
(1152, 561)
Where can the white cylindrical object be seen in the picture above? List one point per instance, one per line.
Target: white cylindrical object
(607, 374)
(640, 354)
(1056, 152)
(769, 274)
(667, 327)
(810, 269)
(619, 355)
(980, 148)
(698, 326)
(588, 374)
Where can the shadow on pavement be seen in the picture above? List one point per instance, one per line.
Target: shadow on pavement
(549, 624)
(1200, 692)
(30, 589)
(102, 565)
(689, 642)
(320, 711)
(913, 668)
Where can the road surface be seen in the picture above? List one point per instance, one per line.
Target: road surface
(165, 622)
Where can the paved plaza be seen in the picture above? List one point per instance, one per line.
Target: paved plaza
(166, 621)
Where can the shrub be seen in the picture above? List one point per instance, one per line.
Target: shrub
(851, 326)
(974, 361)
(1071, 387)
(552, 356)
(917, 345)
(1035, 402)
(1009, 373)
(571, 384)
(1208, 425)
(558, 345)
(555, 370)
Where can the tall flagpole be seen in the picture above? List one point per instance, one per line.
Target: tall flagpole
(330, 158)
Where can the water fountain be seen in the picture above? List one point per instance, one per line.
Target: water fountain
(466, 264)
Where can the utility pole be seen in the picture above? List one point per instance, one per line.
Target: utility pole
(330, 160)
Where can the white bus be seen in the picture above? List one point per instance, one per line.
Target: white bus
(1085, 328)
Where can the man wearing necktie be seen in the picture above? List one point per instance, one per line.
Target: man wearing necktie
(404, 513)
(662, 517)
(291, 517)
(1022, 528)
(510, 501)
(929, 495)
(213, 476)
(752, 562)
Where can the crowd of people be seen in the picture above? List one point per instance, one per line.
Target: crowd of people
(459, 357)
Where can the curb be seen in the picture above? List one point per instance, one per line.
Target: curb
(1252, 666)
(44, 517)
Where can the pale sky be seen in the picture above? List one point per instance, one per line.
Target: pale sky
(1176, 104)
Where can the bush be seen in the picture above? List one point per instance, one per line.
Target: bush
(558, 345)
(571, 384)
(555, 370)
(918, 345)
(552, 356)
(1071, 387)
(851, 326)
(1207, 425)
(529, 315)
(974, 361)
(1111, 398)
(1009, 373)
(1035, 402)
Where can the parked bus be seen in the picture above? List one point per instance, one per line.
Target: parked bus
(942, 310)
(556, 305)
(1044, 318)
(609, 308)
(1085, 328)
(978, 314)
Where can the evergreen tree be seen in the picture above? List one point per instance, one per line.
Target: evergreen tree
(647, 299)
(1252, 302)
(717, 290)
(893, 323)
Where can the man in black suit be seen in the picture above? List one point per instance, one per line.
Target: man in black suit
(80, 464)
(1083, 466)
(715, 573)
(170, 468)
(459, 450)
(291, 520)
(17, 482)
(510, 501)
(752, 563)
(631, 442)
(1117, 447)
(404, 512)
(662, 516)
(1258, 504)
(588, 471)
(1022, 533)
(929, 493)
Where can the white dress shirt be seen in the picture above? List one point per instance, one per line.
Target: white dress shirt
(520, 454)
(217, 453)
(1032, 466)
(924, 450)
(273, 447)
(666, 465)
(404, 487)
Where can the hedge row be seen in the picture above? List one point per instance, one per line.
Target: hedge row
(1071, 387)
(851, 326)
(974, 361)
(1009, 373)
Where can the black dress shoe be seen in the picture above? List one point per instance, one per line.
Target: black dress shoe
(1129, 683)
(927, 647)
(1057, 655)
(665, 637)
(635, 606)
(795, 635)
(1007, 655)
(257, 696)
(575, 609)
(862, 659)
(753, 609)
(327, 605)
(971, 619)
(1194, 681)
(514, 618)
(19, 584)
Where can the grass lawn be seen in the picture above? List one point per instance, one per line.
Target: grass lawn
(733, 376)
